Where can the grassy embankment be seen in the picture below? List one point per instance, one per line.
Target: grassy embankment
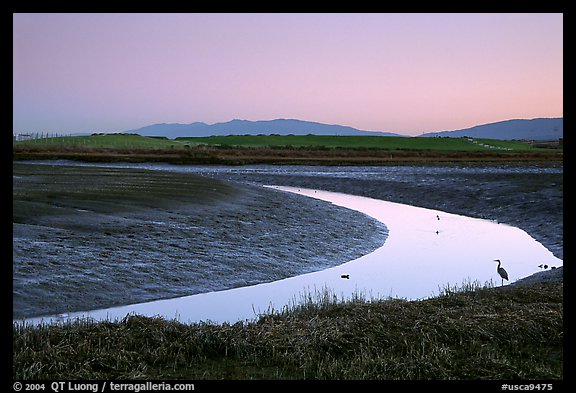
(276, 149)
(469, 333)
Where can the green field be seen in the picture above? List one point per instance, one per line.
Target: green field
(281, 150)
(361, 142)
(132, 141)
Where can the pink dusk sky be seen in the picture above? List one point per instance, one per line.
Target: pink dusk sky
(402, 73)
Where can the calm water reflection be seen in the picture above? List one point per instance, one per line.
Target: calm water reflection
(426, 250)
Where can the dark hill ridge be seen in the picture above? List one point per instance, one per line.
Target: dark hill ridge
(532, 129)
(241, 127)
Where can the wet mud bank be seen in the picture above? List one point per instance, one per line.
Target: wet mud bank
(528, 196)
(92, 237)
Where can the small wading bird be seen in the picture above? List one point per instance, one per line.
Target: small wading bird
(503, 273)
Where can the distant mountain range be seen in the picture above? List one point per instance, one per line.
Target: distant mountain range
(243, 127)
(533, 129)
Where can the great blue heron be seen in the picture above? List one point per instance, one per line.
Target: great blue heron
(503, 273)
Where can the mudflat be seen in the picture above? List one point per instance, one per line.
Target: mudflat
(196, 226)
(93, 237)
(526, 195)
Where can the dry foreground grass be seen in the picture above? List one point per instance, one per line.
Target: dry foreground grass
(285, 156)
(511, 332)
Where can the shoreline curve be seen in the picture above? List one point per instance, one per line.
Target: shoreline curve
(425, 250)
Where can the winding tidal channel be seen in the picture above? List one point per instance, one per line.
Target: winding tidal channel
(424, 250)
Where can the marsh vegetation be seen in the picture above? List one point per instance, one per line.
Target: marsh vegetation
(469, 332)
(277, 149)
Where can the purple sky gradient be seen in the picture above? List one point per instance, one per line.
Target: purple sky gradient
(404, 73)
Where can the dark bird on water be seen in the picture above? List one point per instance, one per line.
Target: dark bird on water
(503, 273)
(346, 276)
